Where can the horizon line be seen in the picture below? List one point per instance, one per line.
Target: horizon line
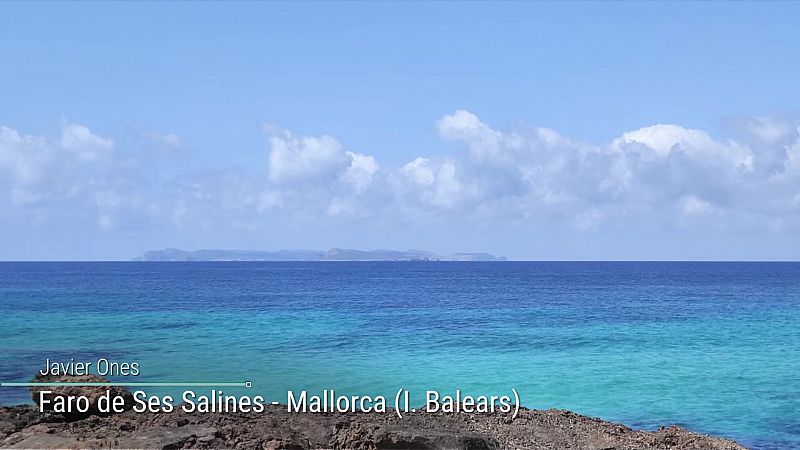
(407, 261)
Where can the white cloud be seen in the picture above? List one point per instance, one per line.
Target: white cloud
(316, 175)
(537, 172)
(302, 159)
(484, 142)
(165, 143)
(772, 141)
(419, 171)
(695, 206)
(361, 170)
(665, 171)
(425, 183)
(446, 189)
(769, 130)
(668, 140)
(663, 139)
(172, 141)
(168, 141)
(76, 176)
(80, 140)
(25, 161)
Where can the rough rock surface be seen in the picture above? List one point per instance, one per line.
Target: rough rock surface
(23, 427)
(92, 393)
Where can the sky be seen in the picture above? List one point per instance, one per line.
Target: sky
(533, 130)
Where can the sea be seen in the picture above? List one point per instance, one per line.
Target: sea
(711, 346)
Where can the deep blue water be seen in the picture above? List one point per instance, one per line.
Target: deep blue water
(714, 347)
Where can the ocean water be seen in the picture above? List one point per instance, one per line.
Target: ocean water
(714, 347)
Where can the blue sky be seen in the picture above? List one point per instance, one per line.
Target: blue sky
(297, 125)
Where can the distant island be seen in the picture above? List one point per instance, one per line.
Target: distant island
(334, 254)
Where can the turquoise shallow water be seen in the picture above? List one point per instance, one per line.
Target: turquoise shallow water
(714, 347)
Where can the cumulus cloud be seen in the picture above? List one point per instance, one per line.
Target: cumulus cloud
(167, 141)
(537, 166)
(665, 170)
(773, 140)
(304, 159)
(432, 183)
(77, 175)
(316, 174)
(87, 145)
(24, 161)
(664, 167)
(361, 170)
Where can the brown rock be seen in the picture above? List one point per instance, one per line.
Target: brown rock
(56, 394)
(15, 418)
(277, 429)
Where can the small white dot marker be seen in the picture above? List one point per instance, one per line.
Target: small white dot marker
(248, 384)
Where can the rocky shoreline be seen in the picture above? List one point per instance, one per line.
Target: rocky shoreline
(25, 427)
(275, 428)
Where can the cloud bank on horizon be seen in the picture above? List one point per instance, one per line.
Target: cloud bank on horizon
(530, 179)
